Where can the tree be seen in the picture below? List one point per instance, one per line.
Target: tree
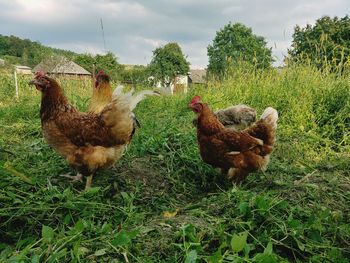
(24, 51)
(236, 43)
(327, 43)
(85, 60)
(167, 62)
(136, 74)
(108, 63)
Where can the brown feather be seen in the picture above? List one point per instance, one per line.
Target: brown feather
(101, 96)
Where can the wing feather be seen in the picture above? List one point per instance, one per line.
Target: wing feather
(238, 141)
(85, 129)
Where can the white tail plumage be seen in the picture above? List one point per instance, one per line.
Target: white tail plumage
(118, 114)
(118, 91)
(130, 98)
(270, 115)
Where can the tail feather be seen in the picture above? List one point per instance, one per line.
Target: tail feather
(129, 94)
(118, 113)
(118, 91)
(131, 98)
(270, 116)
(139, 97)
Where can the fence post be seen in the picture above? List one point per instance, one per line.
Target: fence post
(93, 75)
(16, 83)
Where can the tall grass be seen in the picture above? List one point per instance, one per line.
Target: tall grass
(298, 211)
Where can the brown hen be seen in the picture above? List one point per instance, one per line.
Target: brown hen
(88, 141)
(237, 153)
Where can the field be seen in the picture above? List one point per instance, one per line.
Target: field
(161, 203)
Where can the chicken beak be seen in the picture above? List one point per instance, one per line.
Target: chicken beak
(36, 83)
(191, 107)
(33, 82)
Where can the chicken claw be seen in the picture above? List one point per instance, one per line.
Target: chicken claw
(78, 177)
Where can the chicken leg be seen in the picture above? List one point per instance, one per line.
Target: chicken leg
(236, 175)
(88, 182)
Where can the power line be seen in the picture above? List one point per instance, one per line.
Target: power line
(103, 36)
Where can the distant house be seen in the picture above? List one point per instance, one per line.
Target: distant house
(61, 66)
(2, 62)
(178, 85)
(197, 76)
(23, 70)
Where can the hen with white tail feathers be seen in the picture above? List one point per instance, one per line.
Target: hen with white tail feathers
(88, 141)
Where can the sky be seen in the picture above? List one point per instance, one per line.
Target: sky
(133, 29)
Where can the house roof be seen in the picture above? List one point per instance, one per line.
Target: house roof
(23, 67)
(198, 75)
(60, 65)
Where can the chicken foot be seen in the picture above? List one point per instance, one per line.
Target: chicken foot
(78, 177)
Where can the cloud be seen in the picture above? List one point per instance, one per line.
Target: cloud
(133, 29)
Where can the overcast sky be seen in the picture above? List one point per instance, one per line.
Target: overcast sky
(133, 29)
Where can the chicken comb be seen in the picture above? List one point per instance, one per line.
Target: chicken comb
(40, 73)
(195, 99)
(101, 72)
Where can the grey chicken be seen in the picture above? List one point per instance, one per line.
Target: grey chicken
(236, 117)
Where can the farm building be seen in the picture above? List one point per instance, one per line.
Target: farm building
(181, 82)
(2, 62)
(61, 66)
(23, 70)
(178, 85)
(197, 76)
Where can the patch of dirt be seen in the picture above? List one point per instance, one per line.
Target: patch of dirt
(143, 175)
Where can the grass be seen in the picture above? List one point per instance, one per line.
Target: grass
(161, 203)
